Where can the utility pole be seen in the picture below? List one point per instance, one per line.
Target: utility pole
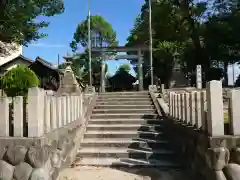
(150, 38)
(89, 45)
(58, 59)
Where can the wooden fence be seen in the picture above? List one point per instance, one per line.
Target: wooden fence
(38, 113)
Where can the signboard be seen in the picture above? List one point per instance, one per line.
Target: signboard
(199, 77)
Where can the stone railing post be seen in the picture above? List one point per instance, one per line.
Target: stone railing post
(68, 99)
(198, 111)
(175, 106)
(47, 116)
(179, 107)
(18, 116)
(59, 111)
(53, 109)
(171, 104)
(234, 112)
(182, 107)
(64, 110)
(215, 108)
(81, 105)
(187, 108)
(4, 111)
(203, 112)
(35, 112)
(192, 108)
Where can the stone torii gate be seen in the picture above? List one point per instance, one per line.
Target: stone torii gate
(139, 57)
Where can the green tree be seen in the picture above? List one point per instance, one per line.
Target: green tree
(124, 67)
(18, 19)
(200, 32)
(101, 31)
(17, 81)
(103, 35)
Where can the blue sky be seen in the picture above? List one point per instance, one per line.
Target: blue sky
(121, 14)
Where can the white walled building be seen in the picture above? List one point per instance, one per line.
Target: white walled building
(12, 50)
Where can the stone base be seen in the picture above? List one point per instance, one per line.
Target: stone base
(89, 90)
(152, 88)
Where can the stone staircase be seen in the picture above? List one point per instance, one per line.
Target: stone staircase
(125, 130)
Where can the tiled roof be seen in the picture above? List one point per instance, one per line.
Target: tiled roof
(16, 58)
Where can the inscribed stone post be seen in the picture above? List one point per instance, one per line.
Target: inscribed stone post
(199, 76)
(235, 112)
(192, 108)
(18, 116)
(35, 112)
(53, 116)
(4, 111)
(47, 116)
(198, 111)
(59, 111)
(203, 110)
(187, 108)
(215, 108)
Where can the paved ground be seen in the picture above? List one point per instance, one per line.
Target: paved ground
(105, 173)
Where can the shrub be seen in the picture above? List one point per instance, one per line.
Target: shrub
(17, 81)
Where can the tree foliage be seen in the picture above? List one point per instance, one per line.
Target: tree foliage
(17, 81)
(124, 67)
(199, 32)
(102, 34)
(18, 22)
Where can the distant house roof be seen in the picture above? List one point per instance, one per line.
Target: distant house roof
(17, 58)
(45, 63)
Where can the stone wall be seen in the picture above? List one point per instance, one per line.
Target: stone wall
(210, 158)
(37, 160)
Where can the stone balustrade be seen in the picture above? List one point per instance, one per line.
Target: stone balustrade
(199, 132)
(40, 134)
(38, 114)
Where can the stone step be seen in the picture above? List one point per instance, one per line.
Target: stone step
(127, 99)
(124, 134)
(126, 142)
(126, 162)
(123, 111)
(126, 121)
(126, 116)
(127, 153)
(124, 93)
(119, 106)
(139, 127)
(146, 102)
(107, 98)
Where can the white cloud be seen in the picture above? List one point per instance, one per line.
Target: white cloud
(45, 45)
